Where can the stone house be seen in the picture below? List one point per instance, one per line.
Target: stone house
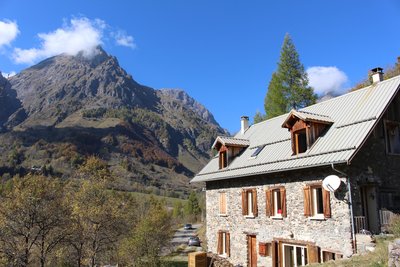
(265, 203)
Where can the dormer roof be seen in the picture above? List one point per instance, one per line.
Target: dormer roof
(230, 141)
(305, 116)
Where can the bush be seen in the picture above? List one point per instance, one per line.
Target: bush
(394, 226)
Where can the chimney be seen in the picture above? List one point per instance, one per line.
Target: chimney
(377, 75)
(244, 124)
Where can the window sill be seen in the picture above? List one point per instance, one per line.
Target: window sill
(317, 218)
(223, 215)
(276, 217)
(223, 255)
(249, 216)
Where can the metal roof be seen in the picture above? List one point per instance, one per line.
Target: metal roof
(353, 117)
(231, 141)
(307, 116)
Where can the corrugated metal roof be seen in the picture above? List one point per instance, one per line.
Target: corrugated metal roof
(307, 116)
(231, 141)
(352, 115)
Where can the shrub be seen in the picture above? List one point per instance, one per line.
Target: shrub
(394, 226)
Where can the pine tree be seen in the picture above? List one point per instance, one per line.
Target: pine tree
(288, 87)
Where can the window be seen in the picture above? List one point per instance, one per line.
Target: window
(249, 202)
(257, 151)
(276, 202)
(327, 256)
(223, 246)
(223, 159)
(392, 133)
(316, 202)
(222, 203)
(294, 255)
(300, 141)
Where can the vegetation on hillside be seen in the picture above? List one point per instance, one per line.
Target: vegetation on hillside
(83, 221)
(389, 72)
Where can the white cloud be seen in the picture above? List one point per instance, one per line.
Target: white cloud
(8, 32)
(8, 74)
(81, 34)
(122, 39)
(327, 80)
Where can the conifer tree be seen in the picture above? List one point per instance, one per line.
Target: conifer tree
(288, 87)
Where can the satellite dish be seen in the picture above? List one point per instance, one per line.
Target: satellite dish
(331, 183)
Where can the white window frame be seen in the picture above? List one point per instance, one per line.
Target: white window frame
(314, 202)
(303, 254)
(250, 211)
(276, 195)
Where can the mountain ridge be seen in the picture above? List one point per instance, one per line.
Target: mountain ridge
(150, 138)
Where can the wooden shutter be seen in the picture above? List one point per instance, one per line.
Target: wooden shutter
(312, 254)
(274, 252)
(268, 203)
(244, 203)
(326, 203)
(307, 201)
(222, 203)
(255, 207)
(228, 244)
(283, 201)
(219, 244)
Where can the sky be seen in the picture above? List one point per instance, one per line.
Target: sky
(221, 52)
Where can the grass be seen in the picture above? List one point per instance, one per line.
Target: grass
(377, 258)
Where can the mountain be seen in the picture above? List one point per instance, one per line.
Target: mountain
(71, 107)
(9, 104)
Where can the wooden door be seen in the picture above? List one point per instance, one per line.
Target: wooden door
(252, 250)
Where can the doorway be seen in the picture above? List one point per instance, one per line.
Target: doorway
(370, 207)
(252, 251)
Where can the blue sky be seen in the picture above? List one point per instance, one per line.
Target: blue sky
(221, 52)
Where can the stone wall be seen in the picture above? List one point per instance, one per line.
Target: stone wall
(394, 254)
(333, 234)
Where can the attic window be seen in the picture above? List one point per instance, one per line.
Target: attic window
(300, 141)
(305, 128)
(223, 159)
(257, 151)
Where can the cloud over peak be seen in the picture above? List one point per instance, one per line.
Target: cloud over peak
(77, 35)
(326, 80)
(8, 32)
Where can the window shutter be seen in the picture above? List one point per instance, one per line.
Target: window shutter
(222, 203)
(244, 203)
(283, 201)
(307, 201)
(312, 254)
(219, 244)
(326, 203)
(228, 244)
(268, 203)
(255, 207)
(274, 252)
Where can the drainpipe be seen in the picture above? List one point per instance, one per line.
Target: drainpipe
(353, 232)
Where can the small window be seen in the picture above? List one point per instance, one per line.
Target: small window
(294, 255)
(222, 203)
(223, 245)
(276, 202)
(316, 202)
(223, 159)
(328, 255)
(249, 203)
(300, 139)
(265, 249)
(392, 137)
(257, 151)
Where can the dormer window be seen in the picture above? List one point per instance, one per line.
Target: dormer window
(305, 128)
(228, 149)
